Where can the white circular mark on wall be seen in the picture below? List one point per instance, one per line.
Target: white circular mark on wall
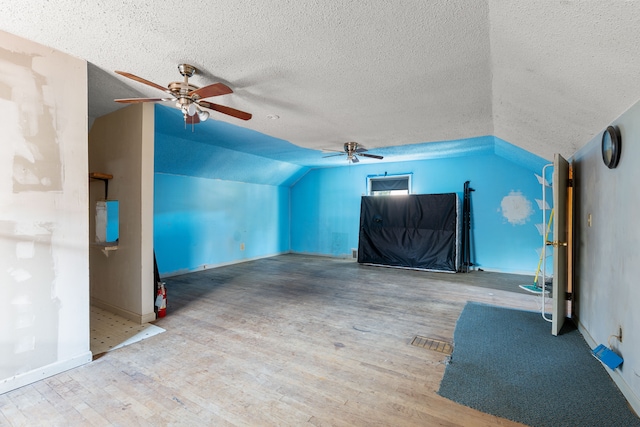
(516, 208)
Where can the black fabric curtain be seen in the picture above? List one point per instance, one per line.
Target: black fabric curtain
(416, 231)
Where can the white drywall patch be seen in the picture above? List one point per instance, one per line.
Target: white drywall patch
(10, 135)
(33, 229)
(25, 344)
(21, 300)
(36, 156)
(24, 176)
(19, 275)
(516, 208)
(25, 250)
(24, 320)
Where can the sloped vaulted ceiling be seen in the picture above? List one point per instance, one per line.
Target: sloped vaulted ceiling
(544, 75)
(562, 70)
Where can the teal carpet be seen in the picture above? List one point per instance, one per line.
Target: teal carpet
(506, 363)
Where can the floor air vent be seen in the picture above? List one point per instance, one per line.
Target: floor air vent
(432, 344)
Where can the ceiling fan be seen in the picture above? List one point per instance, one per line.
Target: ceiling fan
(188, 98)
(353, 150)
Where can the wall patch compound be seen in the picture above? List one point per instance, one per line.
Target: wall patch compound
(516, 208)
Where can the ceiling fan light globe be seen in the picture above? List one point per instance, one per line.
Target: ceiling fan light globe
(203, 115)
(191, 109)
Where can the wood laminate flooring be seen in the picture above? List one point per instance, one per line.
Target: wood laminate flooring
(291, 340)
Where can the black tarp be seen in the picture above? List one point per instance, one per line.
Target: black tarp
(416, 231)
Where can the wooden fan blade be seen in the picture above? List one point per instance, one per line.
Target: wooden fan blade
(192, 120)
(141, 80)
(135, 100)
(333, 155)
(225, 110)
(215, 89)
(373, 156)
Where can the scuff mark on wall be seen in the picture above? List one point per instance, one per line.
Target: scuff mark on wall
(516, 208)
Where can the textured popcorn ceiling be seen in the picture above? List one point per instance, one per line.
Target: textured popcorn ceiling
(543, 75)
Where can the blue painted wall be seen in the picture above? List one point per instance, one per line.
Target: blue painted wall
(220, 186)
(325, 205)
(201, 223)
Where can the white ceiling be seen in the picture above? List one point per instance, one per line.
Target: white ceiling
(543, 75)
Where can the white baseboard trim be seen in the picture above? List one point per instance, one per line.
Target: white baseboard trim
(222, 264)
(30, 377)
(624, 388)
(134, 317)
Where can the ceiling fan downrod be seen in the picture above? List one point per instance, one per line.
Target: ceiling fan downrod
(187, 104)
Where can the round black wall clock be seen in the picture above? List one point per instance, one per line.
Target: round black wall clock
(611, 147)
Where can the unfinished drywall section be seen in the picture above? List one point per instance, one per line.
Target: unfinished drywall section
(607, 235)
(44, 261)
(121, 144)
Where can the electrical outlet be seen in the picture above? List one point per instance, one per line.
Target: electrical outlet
(242, 246)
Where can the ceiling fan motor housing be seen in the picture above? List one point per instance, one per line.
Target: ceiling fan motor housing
(350, 147)
(187, 70)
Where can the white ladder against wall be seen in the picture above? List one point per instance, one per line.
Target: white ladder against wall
(539, 286)
(546, 251)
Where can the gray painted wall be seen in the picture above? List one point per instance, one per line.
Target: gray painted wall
(607, 262)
